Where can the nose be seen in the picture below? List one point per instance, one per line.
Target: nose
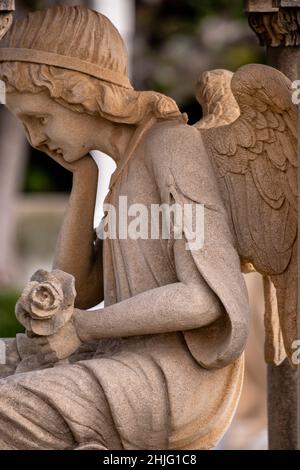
(35, 136)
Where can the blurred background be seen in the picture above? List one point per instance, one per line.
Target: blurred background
(170, 43)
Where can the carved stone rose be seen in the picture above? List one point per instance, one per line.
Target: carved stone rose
(47, 302)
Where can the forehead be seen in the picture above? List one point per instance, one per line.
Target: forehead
(28, 102)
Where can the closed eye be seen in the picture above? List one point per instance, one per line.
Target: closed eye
(41, 119)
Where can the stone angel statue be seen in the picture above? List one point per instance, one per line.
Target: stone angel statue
(161, 365)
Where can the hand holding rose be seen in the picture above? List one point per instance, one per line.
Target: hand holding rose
(45, 309)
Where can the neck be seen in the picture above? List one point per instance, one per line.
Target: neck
(114, 139)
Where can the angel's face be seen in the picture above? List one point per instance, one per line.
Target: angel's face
(52, 128)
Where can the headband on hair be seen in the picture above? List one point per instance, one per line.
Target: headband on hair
(71, 63)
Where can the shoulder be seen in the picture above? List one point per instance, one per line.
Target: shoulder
(170, 139)
(174, 145)
(175, 155)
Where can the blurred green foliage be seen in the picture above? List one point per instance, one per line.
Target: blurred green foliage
(45, 175)
(233, 8)
(235, 56)
(177, 40)
(166, 17)
(9, 325)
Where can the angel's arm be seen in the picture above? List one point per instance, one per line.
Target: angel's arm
(185, 305)
(76, 252)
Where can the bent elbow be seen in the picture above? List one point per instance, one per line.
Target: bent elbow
(203, 306)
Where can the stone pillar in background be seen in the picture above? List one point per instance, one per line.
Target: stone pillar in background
(277, 25)
(278, 28)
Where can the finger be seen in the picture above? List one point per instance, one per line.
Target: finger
(40, 342)
(49, 358)
(42, 355)
(46, 349)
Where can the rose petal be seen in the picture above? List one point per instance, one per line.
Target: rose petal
(22, 316)
(25, 296)
(38, 313)
(47, 295)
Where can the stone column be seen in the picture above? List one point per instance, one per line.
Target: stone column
(277, 25)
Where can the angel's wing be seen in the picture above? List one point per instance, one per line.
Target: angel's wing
(219, 106)
(213, 92)
(255, 158)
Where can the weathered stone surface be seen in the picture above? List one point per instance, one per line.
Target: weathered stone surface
(7, 5)
(6, 18)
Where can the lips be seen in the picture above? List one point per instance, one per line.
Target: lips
(55, 151)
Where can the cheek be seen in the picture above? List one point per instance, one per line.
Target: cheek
(67, 134)
(57, 132)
